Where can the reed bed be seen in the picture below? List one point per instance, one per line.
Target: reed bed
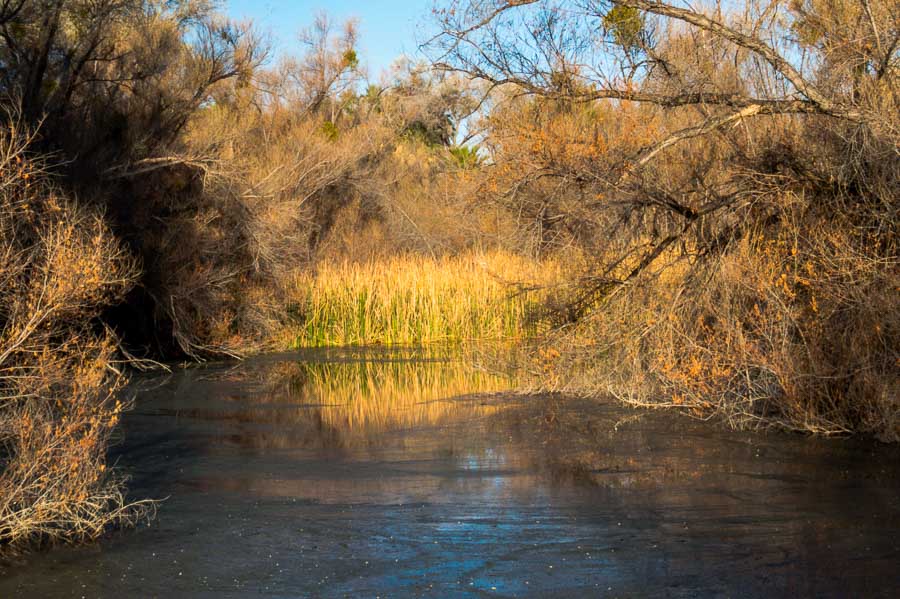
(415, 300)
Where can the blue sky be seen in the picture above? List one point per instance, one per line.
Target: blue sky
(388, 28)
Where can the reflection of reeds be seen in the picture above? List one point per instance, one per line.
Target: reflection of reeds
(340, 403)
(411, 300)
(376, 396)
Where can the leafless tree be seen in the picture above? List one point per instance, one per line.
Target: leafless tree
(759, 59)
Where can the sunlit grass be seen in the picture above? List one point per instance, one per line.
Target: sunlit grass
(418, 300)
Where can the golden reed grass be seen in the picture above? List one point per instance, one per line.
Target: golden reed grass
(418, 300)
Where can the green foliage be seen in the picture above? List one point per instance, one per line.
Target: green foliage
(351, 60)
(372, 97)
(429, 134)
(330, 131)
(625, 24)
(466, 156)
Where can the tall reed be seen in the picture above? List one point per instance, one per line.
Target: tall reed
(418, 300)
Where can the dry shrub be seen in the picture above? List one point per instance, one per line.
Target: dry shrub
(280, 183)
(59, 267)
(110, 87)
(791, 321)
(223, 177)
(259, 212)
(416, 192)
(736, 206)
(798, 331)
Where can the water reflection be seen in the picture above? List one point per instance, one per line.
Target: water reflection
(366, 398)
(349, 472)
(341, 400)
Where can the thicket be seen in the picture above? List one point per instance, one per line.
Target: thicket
(730, 174)
(59, 374)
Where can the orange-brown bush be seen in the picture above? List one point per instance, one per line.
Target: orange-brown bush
(736, 208)
(59, 266)
(796, 327)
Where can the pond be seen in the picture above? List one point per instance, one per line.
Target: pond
(400, 473)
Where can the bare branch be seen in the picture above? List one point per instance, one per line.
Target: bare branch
(779, 63)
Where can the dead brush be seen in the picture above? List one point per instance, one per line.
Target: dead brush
(738, 204)
(58, 383)
(797, 330)
(791, 333)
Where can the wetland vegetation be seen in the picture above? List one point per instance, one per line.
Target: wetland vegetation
(416, 300)
(691, 207)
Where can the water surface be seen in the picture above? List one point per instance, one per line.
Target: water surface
(393, 473)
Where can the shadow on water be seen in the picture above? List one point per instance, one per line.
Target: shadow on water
(394, 472)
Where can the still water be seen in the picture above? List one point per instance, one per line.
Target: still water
(392, 473)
